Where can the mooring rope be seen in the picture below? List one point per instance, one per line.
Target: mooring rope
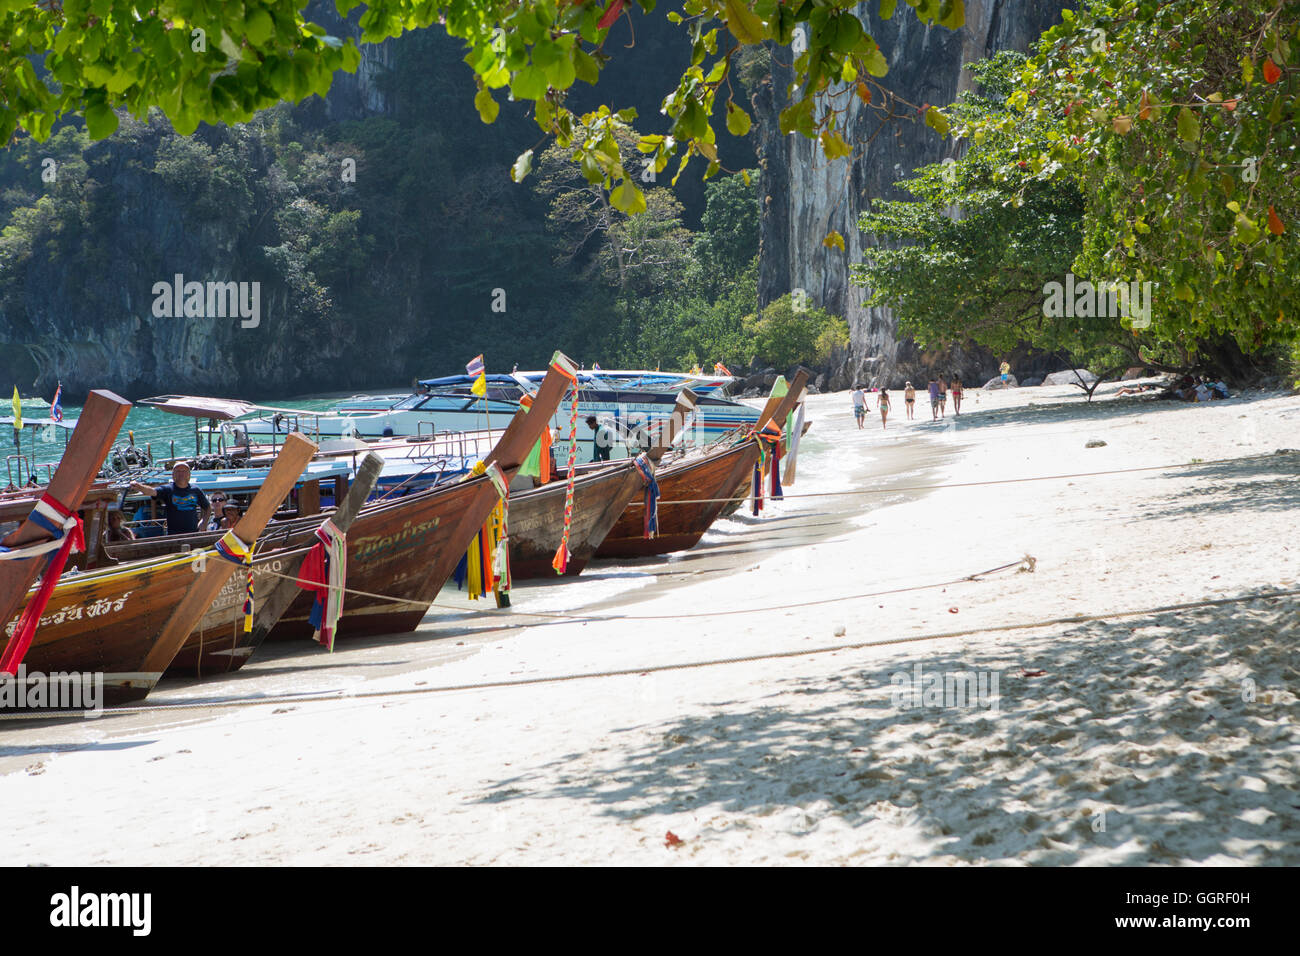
(343, 695)
(981, 484)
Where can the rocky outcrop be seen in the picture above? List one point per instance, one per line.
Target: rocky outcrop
(807, 197)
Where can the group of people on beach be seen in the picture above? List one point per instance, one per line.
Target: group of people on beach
(939, 389)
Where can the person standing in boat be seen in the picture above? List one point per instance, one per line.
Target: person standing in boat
(603, 439)
(185, 506)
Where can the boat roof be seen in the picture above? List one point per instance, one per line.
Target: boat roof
(222, 409)
(452, 380)
(69, 423)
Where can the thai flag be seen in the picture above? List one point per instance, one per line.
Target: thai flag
(56, 407)
(475, 367)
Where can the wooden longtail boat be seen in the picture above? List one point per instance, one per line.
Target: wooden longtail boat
(219, 644)
(126, 623)
(96, 430)
(402, 553)
(600, 495)
(713, 475)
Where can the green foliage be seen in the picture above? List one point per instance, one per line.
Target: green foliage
(967, 260)
(1178, 120)
(203, 62)
(729, 227)
(783, 335)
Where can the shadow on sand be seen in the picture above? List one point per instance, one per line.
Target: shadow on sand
(1142, 719)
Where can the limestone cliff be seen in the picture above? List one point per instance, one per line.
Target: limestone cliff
(806, 197)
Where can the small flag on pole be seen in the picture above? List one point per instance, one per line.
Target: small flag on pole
(477, 368)
(56, 406)
(18, 411)
(595, 367)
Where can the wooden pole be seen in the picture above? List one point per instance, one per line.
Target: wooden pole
(215, 571)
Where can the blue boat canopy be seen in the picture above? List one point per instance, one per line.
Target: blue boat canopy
(469, 380)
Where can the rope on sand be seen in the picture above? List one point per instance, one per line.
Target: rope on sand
(981, 484)
(661, 668)
(1026, 563)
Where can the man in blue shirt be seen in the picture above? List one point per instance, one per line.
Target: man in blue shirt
(185, 506)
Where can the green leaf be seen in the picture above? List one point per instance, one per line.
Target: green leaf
(258, 27)
(529, 83)
(834, 145)
(487, 107)
(743, 23)
(101, 121)
(952, 14)
(936, 121)
(627, 198)
(887, 8)
(522, 167)
(1189, 127)
(876, 63)
(738, 121)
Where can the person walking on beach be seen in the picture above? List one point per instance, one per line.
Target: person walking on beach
(882, 403)
(943, 397)
(186, 506)
(934, 400)
(1005, 369)
(859, 404)
(909, 399)
(956, 395)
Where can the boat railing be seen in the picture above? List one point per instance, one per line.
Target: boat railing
(440, 463)
(22, 462)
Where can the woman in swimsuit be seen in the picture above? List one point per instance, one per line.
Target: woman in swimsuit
(883, 404)
(956, 396)
(909, 396)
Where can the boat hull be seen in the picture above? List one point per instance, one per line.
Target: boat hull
(109, 622)
(537, 519)
(681, 526)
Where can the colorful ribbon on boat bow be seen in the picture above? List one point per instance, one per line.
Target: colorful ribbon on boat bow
(561, 560)
(769, 457)
(487, 561)
(235, 551)
(324, 572)
(650, 526)
(67, 534)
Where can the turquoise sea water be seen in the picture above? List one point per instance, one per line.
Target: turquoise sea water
(149, 426)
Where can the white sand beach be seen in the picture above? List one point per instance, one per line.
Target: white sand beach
(1137, 736)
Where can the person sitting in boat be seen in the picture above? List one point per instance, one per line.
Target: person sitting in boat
(230, 513)
(185, 506)
(603, 438)
(117, 531)
(218, 505)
